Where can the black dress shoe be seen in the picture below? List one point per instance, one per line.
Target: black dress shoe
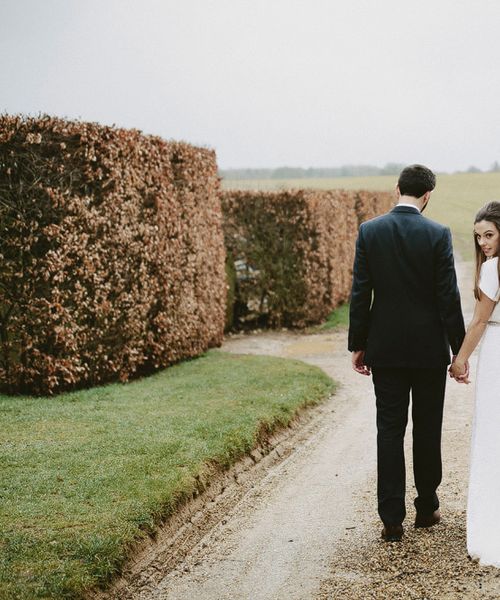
(428, 520)
(392, 533)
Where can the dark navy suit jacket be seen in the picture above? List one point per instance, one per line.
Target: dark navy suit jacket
(405, 305)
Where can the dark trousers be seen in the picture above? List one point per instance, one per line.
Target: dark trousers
(392, 391)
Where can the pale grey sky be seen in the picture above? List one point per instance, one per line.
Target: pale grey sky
(268, 83)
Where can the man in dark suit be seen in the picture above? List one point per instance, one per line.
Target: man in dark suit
(405, 314)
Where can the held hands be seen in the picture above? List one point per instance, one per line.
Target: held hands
(358, 363)
(459, 370)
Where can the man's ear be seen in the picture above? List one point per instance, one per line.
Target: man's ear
(398, 193)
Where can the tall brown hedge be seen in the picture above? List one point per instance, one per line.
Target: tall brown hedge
(369, 204)
(293, 251)
(111, 253)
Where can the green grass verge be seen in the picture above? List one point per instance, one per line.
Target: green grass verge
(84, 474)
(338, 318)
(454, 202)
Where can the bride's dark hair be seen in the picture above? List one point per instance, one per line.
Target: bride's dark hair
(489, 212)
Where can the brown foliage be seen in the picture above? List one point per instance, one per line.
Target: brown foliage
(293, 251)
(111, 250)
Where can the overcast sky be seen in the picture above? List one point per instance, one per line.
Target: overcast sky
(268, 83)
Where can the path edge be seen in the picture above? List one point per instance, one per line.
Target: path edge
(152, 558)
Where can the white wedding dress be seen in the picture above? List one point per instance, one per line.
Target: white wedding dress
(483, 507)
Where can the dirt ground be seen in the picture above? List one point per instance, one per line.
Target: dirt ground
(298, 520)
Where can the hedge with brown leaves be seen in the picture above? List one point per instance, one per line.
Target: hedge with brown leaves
(111, 253)
(293, 251)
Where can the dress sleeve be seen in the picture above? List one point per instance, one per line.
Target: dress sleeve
(488, 279)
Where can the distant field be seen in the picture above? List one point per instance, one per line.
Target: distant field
(454, 201)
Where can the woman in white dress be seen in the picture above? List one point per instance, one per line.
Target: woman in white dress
(483, 508)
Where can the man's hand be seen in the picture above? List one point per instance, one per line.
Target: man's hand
(358, 363)
(459, 370)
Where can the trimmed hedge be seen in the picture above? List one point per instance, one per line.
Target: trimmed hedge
(111, 252)
(369, 204)
(293, 251)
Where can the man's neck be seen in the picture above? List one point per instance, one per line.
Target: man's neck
(410, 201)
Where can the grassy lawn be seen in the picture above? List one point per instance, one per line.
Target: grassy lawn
(85, 474)
(454, 202)
(336, 319)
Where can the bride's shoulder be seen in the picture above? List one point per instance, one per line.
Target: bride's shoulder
(489, 269)
(490, 264)
(488, 279)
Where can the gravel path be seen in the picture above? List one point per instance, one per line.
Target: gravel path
(307, 528)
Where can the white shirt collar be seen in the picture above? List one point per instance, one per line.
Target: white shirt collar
(406, 204)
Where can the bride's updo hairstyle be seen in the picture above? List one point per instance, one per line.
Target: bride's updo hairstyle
(489, 212)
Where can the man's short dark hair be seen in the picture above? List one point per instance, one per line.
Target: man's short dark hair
(415, 180)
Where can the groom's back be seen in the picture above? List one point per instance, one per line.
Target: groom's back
(408, 262)
(401, 248)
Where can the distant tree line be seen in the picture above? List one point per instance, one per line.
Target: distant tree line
(311, 172)
(495, 168)
(315, 172)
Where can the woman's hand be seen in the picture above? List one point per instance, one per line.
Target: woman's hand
(459, 371)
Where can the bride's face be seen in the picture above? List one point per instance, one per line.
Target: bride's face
(488, 237)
